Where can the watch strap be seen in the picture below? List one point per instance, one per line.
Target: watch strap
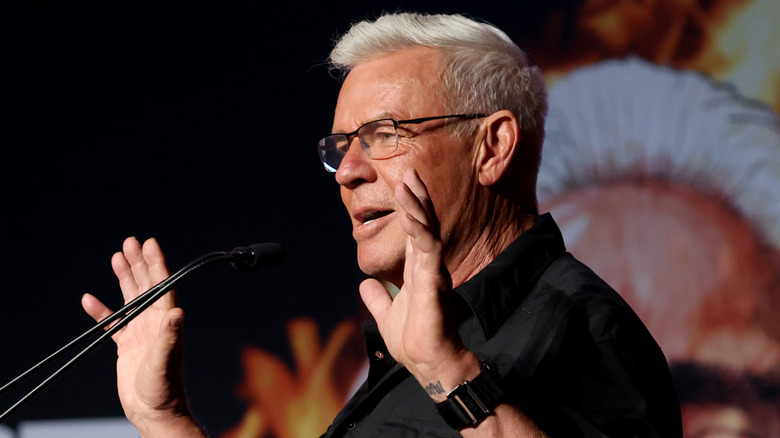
(472, 401)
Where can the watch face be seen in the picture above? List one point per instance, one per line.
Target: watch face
(471, 402)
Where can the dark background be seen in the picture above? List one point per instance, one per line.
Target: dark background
(195, 123)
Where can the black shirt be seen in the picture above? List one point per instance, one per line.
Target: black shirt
(574, 357)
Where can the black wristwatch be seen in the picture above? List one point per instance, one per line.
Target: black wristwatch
(471, 402)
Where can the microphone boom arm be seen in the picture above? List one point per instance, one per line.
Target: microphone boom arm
(244, 258)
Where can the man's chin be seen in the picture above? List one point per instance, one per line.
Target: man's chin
(382, 268)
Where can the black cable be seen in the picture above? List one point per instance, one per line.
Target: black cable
(124, 315)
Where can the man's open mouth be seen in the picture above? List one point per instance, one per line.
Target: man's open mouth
(371, 216)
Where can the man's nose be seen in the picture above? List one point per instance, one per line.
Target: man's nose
(355, 167)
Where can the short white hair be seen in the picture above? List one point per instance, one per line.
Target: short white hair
(483, 71)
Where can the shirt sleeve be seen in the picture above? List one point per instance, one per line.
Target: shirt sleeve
(593, 370)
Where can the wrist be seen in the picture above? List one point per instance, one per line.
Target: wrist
(438, 381)
(167, 424)
(471, 402)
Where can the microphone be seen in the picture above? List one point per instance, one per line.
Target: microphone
(251, 258)
(254, 257)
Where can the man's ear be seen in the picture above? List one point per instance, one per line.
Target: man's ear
(498, 146)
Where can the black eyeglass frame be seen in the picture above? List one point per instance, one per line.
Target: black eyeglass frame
(324, 150)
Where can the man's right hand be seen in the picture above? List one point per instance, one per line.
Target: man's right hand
(149, 348)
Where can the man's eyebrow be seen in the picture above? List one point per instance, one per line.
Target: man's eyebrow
(381, 116)
(388, 115)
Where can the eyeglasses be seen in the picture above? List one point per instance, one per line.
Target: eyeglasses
(379, 139)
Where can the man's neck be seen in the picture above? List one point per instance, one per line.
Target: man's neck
(486, 247)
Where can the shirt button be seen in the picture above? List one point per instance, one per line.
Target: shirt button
(379, 355)
(351, 426)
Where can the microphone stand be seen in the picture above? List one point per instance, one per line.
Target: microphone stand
(245, 258)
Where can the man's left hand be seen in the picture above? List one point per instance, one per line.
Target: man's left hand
(417, 326)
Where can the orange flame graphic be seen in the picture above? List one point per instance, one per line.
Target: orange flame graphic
(732, 40)
(284, 404)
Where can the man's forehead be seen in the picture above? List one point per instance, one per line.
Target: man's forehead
(395, 85)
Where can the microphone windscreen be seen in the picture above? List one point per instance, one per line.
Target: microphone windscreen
(254, 257)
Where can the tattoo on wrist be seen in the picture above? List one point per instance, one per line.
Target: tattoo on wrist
(434, 388)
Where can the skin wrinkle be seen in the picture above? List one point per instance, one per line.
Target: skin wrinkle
(500, 226)
(434, 154)
(501, 220)
(390, 204)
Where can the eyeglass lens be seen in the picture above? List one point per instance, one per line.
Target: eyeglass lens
(379, 139)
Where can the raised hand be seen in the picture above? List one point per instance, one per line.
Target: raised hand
(417, 325)
(149, 348)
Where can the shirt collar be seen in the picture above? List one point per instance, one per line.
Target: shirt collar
(495, 292)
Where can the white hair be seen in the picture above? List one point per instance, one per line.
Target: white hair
(629, 119)
(483, 71)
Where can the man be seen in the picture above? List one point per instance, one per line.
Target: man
(437, 140)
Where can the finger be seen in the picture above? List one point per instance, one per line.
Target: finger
(94, 307)
(423, 237)
(155, 260)
(376, 298)
(419, 190)
(410, 201)
(97, 310)
(425, 272)
(157, 269)
(138, 265)
(127, 282)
